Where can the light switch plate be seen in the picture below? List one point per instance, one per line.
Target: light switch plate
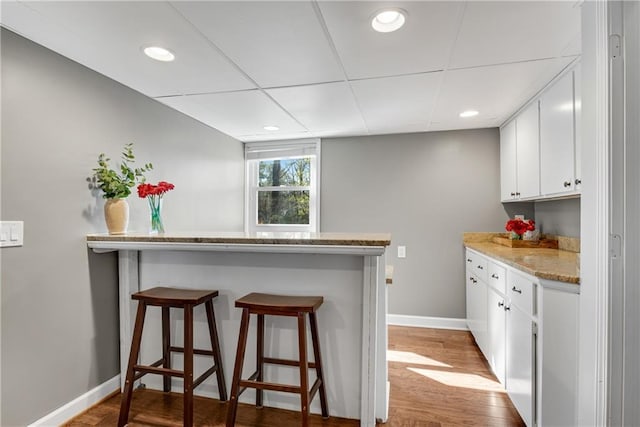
(402, 251)
(11, 233)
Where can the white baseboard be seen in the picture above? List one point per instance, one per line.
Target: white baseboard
(79, 404)
(427, 322)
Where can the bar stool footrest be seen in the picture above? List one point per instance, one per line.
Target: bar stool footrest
(314, 388)
(197, 351)
(204, 376)
(144, 369)
(261, 385)
(286, 362)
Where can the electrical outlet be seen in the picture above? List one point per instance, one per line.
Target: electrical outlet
(11, 233)
(402, 251)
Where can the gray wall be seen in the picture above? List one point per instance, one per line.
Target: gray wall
(60, 300)
(425, 189)
(560, 217)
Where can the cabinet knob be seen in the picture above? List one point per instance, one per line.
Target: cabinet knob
(507, 308)
(567, 184)
(501, 304)
(517, 193)
(514, 289)
(513, 194)
(495, 276)
(480, 267)
(468, 259)
(578, 181)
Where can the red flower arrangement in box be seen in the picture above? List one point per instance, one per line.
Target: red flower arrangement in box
(518, 227)
(154, 194)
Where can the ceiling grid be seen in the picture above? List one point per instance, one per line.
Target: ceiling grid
(316, 68)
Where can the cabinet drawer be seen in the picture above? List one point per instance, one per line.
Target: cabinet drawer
(478, 264)
(521, 292)
(496, 277)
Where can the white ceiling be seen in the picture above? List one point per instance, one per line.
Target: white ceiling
(317, 68)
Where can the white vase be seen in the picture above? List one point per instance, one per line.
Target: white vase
(116, 215)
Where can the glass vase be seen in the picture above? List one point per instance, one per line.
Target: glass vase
(155, 206)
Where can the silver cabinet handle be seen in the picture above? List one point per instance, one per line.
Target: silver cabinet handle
(567, 184)
(514, 289)
(495, 276)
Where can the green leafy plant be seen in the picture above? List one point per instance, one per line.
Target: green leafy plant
(116, 184)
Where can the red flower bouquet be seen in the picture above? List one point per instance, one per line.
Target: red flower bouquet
(518, 227)
(154, 194)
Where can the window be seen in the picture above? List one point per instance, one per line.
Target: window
(282, 185)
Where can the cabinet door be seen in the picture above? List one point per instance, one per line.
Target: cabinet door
(557, 156)
(528, 155)
(508, 178)
(477, 310)
(577, 83)
(521, 362)
(497, 334)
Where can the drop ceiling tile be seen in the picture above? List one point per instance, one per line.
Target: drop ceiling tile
(276, 43)
(235, 113)
(328, 108)
(404, 102)
(510, 31)
(495, 91)
(108, 37)
(423, 44)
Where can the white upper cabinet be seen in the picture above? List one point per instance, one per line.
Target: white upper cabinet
(540, 147)
(528, 156)
(557, 156)
(508, 177)
(520, 157)
(577, 105)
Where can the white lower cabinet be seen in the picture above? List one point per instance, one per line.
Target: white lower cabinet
(477, 309)
(528, 332)
(496, 327)
(520, 365)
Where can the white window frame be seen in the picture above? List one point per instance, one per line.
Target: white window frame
(254, 152)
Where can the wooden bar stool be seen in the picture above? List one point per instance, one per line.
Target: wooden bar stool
(279, 305)
(185, 299)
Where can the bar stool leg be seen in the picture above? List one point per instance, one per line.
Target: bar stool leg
(188, 365)
(166, 343)
(260, 359)
(318, 360)
(125, 404)
(215, 346)
(237, 370)
(304, 369)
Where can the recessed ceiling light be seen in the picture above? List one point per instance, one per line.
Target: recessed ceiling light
(159, 53)
(469, 113)
(388, 20)
(271, 127)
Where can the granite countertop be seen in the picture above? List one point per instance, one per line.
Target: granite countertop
(266, 238)
(550, 264)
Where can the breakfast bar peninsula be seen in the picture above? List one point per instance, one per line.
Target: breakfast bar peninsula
(348, 270)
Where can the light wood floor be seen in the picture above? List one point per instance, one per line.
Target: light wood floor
(438, 378)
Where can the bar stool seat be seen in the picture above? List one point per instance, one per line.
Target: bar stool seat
(279, 305)
(167, 298)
